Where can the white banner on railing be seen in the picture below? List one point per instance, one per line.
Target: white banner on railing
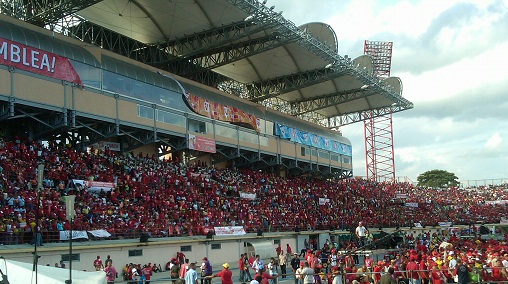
(247, 195)
(100, 233)
(444, 224)
(401, 195)
(229, 231)
(411, 204)
(497, 202)
(64, 235)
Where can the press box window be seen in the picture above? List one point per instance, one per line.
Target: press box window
(75, 257)
(185, 248)
(197, 126)
(136, 252)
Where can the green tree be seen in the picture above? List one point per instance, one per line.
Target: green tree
(437, 178)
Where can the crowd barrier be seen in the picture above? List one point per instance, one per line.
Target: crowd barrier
(25, 237)
(475, 277)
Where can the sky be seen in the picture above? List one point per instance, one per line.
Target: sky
(452, 58)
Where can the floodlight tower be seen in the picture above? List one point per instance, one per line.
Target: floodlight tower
(379, 154)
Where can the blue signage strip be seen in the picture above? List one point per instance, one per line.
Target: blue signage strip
(313, 140)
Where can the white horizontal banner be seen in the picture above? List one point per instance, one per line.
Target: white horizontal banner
(401, 195)
(497, 202)
(64, 235)
(229, 231)
(100, 233)
(247, 195)
(411, 204)
(324, 201)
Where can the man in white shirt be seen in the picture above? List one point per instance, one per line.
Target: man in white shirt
(505, 261)
(258, 262)
(299, 274)
(361, 233)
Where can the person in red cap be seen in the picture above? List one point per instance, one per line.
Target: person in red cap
(424, 270)
(368, 261)
(412, 271)
(438, 277)
(299, 274)
(97, 263)
(337, 275)
(207, 270)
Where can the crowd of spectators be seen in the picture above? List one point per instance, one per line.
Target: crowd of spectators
(164, 197)
(442, 256)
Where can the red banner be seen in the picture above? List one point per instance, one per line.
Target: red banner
(37, 61)
(221, 112)
(202, 144)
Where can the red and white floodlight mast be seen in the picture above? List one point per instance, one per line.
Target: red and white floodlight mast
(379, 154)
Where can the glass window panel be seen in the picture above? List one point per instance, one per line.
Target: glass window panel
(269, 128)
(89, 75)
(263, 141)
(171, 118)
(224, 131)
(145, 112)
(140, 90)
(248, 137)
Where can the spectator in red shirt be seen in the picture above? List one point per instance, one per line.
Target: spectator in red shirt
(438, 276)
(377, 271)
(225, 274)
(289, 250)
(147, 272)
(97, 263)
(412, 271)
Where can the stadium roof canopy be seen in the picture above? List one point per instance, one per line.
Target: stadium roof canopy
(240, 46)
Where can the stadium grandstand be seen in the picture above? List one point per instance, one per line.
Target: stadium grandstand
(172, 118)
(229, 82)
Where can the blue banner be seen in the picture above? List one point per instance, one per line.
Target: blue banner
(313, 140)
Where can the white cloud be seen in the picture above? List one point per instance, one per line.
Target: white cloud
(451, 58)
(409, 154)
(494, 142)
(487, 68)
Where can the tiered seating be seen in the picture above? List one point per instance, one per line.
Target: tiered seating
(167, 198)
